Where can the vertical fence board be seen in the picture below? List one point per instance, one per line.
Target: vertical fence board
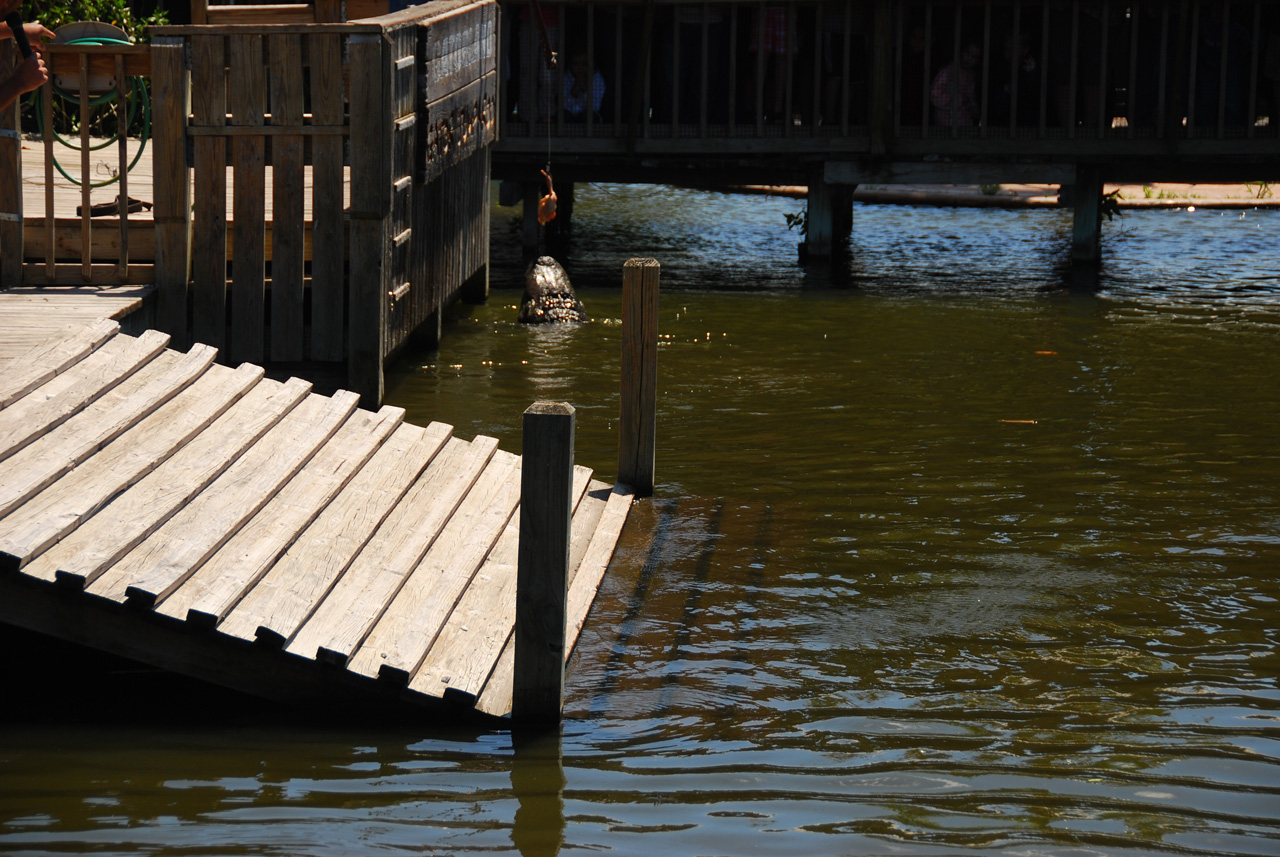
(209, 245)
(122, 150)
(169, 165)
(287, 179)
(328, 286)
(248, 264)
(10, 184)
(370, 208)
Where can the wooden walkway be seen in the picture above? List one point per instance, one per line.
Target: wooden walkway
(249, 532)
(29, 317)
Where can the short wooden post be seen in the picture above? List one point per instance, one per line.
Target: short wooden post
(172, 212)
(542, 575)
(638, 417)
(1086, 233)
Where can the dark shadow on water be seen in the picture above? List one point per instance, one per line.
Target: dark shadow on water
(538, 781)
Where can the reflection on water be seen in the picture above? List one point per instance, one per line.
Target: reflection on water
(949, 552)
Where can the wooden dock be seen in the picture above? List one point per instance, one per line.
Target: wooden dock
(246, 531)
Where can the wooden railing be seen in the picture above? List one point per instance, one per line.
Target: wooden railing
(407, 97)
(86, 249)
(876, 76)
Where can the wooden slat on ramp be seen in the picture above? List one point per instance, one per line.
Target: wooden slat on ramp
(252, 533)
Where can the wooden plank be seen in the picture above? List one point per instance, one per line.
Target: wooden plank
(51, 404)
(207, 596)
(328, 289)
(172, 195)
(460, 48)
(132, 516)
(277, 606)
(248, 104)
(495, 699)
(59, 509)
(397, 642)
(463, 654)
(341, 621)
(51, 357)
(589, 571)
(56, 452)
(285, 74)
(157, 566)
(65, 59)
(209, 246)
(260, 14)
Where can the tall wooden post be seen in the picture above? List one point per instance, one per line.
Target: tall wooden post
(1086, 233)
(370, 253)
(637, 419)
(10, 184)
(542, 573)
(172, 212)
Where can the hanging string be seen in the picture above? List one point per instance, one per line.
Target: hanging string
(546, 205)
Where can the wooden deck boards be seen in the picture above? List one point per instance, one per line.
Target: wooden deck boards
(255, 534)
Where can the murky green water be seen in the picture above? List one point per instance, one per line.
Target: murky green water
(950, 553)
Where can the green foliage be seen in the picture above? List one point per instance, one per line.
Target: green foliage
(989, 189)
(54, 13)
(1260, 189)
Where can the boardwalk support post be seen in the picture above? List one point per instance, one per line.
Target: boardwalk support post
(542, 574)
(820, 216)
(637, 420)
(1086, 232)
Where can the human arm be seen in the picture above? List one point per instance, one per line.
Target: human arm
(28, 75)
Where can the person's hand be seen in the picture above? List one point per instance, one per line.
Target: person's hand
(30, 74)
(37, 34)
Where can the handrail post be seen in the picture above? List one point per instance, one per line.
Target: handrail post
(637, 421)
(172, 212)
(10, 187)
(542, 572)
(370, 210)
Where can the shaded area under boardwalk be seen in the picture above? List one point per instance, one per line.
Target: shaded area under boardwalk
(251, 533)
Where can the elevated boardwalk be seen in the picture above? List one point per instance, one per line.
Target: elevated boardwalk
(211, 521)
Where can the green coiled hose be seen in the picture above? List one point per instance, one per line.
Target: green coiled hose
(138, 94)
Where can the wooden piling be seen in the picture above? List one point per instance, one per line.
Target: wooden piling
(637, 421)
(542, 575)
(1086, 233)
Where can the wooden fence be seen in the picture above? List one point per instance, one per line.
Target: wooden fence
(387, 120)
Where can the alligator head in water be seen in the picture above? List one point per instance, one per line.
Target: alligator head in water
(548, 295)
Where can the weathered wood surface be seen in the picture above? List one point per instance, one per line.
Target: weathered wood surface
(225, 508)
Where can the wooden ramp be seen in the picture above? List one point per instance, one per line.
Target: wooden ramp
(248, 532)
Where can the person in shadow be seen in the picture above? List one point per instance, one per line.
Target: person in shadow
(583, 89)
